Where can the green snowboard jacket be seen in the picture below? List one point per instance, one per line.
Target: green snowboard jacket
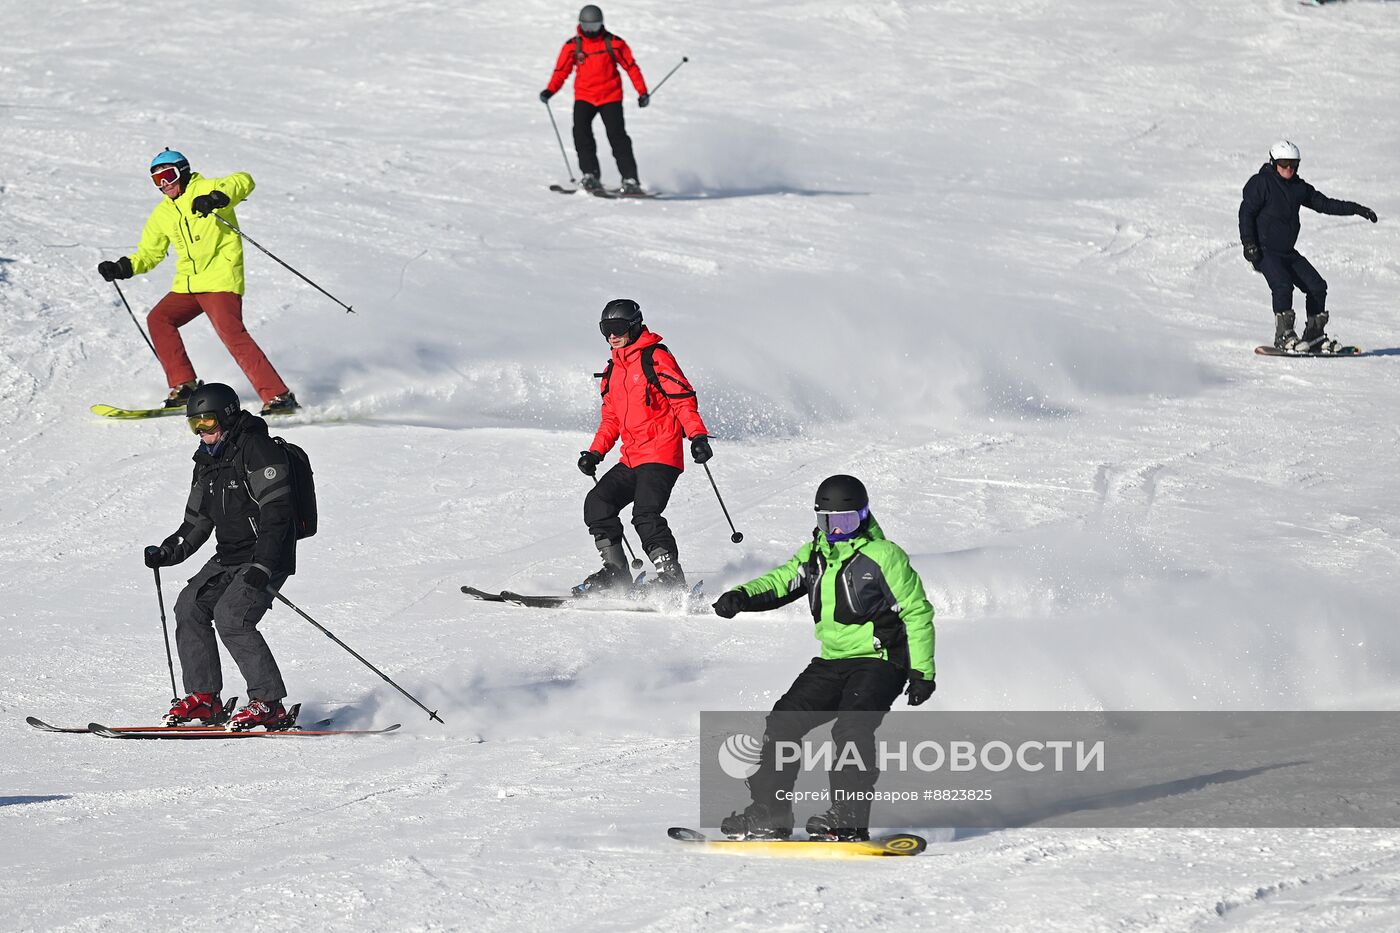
(866, 599)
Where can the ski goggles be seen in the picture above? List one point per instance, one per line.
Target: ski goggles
(1287, 163)
(841, 523)
(165, 175)
(203, 424)
(615, 327)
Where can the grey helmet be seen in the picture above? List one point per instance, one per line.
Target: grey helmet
(590, 19)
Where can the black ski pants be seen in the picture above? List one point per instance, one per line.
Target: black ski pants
(587, 148)
(1284, 271)
(648, 487)
(856, 693)
(216, 598)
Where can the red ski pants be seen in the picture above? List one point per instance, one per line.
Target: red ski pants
(225, 311)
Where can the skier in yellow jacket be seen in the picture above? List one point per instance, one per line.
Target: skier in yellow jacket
(208, 277)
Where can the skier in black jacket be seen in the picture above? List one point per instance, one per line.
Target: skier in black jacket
(242, 494)
(1269, 231)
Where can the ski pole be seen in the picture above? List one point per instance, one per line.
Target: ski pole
(432, 713)
(653, 91)
(737, 536)
(136, 322)
(348, 309)
(568, 166)
(169, 661)
(636, 561)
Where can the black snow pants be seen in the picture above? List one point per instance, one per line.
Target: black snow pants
(1283, 271)
(648, 487)
(216, 598)
(617, 138)
(824, 691)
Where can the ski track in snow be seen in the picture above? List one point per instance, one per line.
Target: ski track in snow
(992, 270)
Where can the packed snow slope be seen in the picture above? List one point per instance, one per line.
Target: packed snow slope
(981, 253)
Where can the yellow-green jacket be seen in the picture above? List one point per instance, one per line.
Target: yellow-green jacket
(210, 254)
(866, 599)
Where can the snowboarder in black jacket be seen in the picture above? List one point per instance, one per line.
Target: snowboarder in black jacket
(242, 494)
(1269, 231)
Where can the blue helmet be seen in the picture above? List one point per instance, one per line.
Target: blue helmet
(176, 160)
(169, 157)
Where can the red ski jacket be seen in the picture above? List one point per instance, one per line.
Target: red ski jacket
(651, 421)
(597, 82)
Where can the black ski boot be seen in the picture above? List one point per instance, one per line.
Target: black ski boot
(837, 825)
(668, 569)
(1314, 339)
(590, 183)
(757, 821)
(1285, 337)
(284, 404)
(613, 575)
(181, 393)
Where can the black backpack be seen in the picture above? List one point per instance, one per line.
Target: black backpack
(303, 482)
(653, 378)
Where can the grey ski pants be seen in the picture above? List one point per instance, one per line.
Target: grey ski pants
(216, 598)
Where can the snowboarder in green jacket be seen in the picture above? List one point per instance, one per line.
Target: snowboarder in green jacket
(875, 626)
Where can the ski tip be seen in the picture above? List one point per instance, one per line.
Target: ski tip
(96, 728)
(685, 834)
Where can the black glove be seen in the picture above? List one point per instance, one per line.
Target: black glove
(156, 556)
(1252, 254)
(700, 450)
(920, 688)
(121, 269)
(256, 577)
(1363, 211)
(730, 604)
(588, 461)
(643, 100)
(207, 203)
(545, 96)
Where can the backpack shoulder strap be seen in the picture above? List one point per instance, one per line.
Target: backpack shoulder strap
(578, 50)
(606, 376)
(607, 40)
(649, 369)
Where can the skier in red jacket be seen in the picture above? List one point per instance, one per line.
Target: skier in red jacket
(650, 405)
(598, 54)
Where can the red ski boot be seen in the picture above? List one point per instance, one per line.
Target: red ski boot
(206, 707)
(271, 716)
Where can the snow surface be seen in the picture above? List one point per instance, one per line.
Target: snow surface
(980, 252)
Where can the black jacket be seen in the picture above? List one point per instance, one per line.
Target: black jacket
(1269, 211)
(244, 497)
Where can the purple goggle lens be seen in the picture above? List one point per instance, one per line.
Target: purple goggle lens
(841, 523)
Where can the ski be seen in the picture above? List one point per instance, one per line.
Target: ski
(626, 601)
(897, 844)
(217, 723)
(135, 414)
(131, 414)
(1341, 351)
(96, 728)
(608, 194)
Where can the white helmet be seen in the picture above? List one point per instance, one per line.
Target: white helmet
(1283, 149)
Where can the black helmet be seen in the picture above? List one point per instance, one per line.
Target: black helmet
(590, 18)
(621, 316)
(214, 399)
(841, 493)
